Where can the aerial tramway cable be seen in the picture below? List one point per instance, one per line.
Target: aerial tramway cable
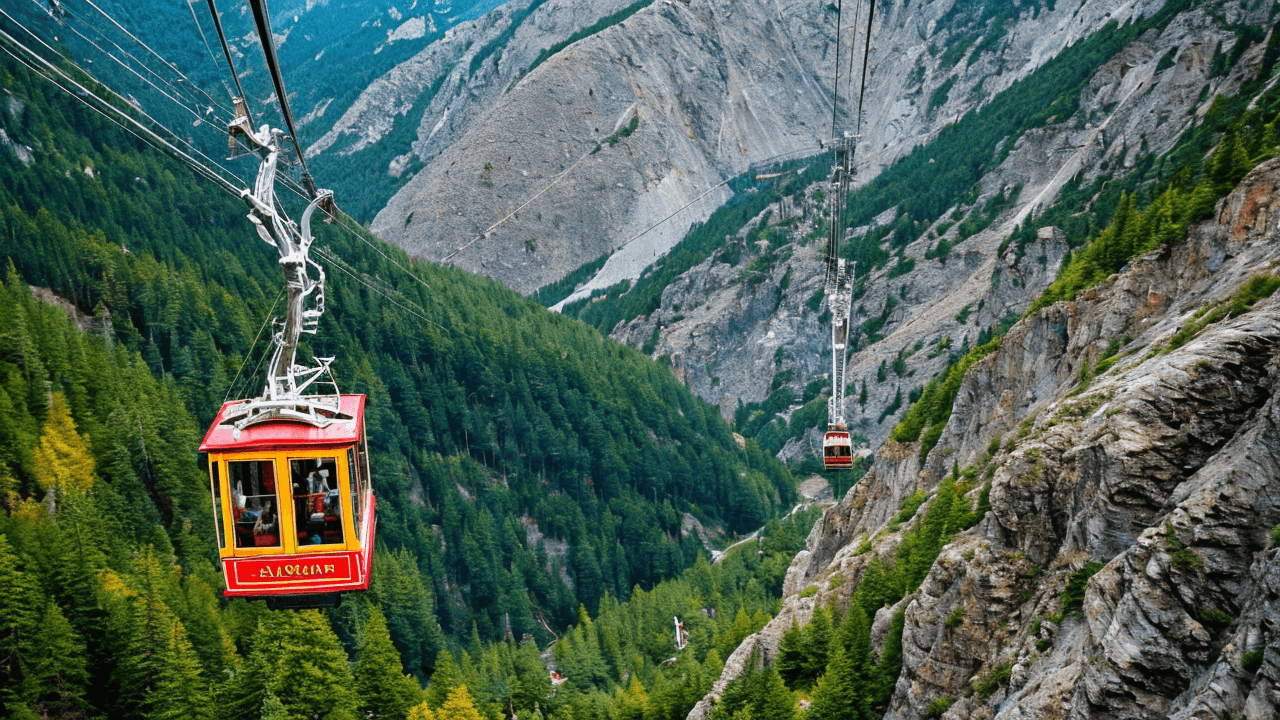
(226, 50)
(866, 57)
(837, 445)
(200, 167)
(263, 23)
(82, 92)
(69, 16)
(158, 56)
(205, 39)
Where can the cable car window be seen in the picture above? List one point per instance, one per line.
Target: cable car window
(357, 482)
(317, 500)
(215, 481)
(255, 507)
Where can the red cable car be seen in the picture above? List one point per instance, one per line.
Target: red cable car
(837, 449)
(289, 470)
(292, 505)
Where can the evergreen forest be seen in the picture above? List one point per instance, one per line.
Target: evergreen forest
(134, 297)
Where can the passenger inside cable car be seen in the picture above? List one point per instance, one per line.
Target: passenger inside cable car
(837, 451)
(316, 501)
(253, 484)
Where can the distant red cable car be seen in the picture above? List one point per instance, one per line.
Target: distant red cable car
(292, 505)
(837, 449)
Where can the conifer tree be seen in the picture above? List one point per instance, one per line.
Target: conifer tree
(770, 699)
(421, 711)
(459, 706)
(890, 664)
(19, 621)
(205, 628)
(630, 704)
(144, 626)
(62, 460)
(446, 677)
(1229, 163)
(791, 654)
(180, 691)
(273, 709)
(58, 669)
(741, 628)
(399, 590)
(310, 674)
(836, 696)
(532, 685)
(817, 640)
(384, 691)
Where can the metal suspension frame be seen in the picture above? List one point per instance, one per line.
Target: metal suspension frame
(285, 395)
(838, 284)
(292, 391)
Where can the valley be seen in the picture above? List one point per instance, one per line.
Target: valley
(1061, 239)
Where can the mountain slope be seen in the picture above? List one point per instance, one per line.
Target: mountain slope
(504, 436)
(1090, 531)
(948, 246)
(714, 89)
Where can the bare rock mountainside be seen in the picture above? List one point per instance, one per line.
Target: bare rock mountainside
(677, 97)
(747, 321)
(1122, 454)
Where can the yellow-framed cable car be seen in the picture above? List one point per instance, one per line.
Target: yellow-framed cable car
(292, 504)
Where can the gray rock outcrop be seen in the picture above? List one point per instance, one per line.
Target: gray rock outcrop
(1163, 468)
(715, 87)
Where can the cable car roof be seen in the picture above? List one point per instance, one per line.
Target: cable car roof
(284, 433)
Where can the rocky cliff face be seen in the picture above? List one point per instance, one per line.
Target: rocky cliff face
(722, 327)
(1161, 468)
(714, 87)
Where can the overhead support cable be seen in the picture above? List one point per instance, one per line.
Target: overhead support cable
(205, 39)
(67, 18)
(82, 92)
(226, 51)
(123, 102)
(169, 96)
(263, 23)
(835, 88)
(866, 57)
(158, 56)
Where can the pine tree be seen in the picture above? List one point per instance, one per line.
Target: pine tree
(384, 691)
(421, 711)
(1229, 163)
(770, 698)
(835, 696)
(403, 597)
(817, 640)
(62, 460)
(533, 685)
(890, 664)
(446, 677)
(58, 670)
(273, 709)
(791, 654)
(180, 692)
(310, 674)
(741, 628)
(459, 706)
(19, 625)
(205, 627)
(143, 624)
